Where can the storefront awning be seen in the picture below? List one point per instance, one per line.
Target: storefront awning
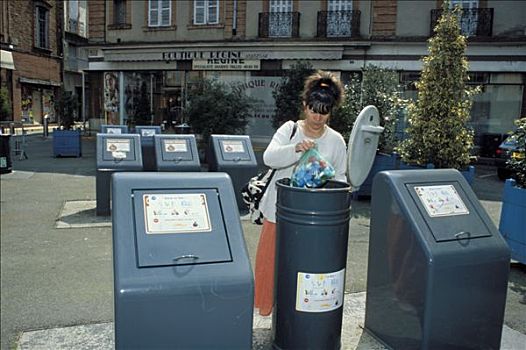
(6, 60)
(39, 81)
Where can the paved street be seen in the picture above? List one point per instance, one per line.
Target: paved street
(56, 265)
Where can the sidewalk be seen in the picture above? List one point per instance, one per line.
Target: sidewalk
(56, 268)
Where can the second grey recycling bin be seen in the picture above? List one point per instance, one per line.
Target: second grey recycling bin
(115, 152)
(311, 255)
(438, 268)
(234, 155)
(182, 275)
(176, 153)
(147, 133)
(6, 164)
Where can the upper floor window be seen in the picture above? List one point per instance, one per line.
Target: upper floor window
(119, 11)
(159, 13)
(206, 11)
(42, 27)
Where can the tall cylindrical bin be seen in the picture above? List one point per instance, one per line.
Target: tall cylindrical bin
(312, 238)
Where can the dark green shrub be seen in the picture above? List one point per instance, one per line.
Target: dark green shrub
(214, 107)
(288, 95)
(518, 165)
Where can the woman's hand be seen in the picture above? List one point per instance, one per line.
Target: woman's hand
(304, 145)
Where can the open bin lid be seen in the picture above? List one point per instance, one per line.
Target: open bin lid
(362, 145)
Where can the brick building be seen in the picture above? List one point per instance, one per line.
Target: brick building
(31, 35)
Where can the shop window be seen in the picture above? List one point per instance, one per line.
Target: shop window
(41, 27)
(206, 12)
(159, 13)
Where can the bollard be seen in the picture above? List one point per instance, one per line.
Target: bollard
(312, 236)
(46, 124)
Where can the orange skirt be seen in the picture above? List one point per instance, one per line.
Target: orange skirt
(265, 269)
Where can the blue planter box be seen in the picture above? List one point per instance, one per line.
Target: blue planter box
(512, 224)
(67, 143)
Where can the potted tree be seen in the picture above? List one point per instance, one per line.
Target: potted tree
(437, 131)
(67, 140)
(513, 215)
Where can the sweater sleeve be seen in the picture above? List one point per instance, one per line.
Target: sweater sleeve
(281, 152)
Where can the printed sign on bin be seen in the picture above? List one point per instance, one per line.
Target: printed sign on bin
(320, 292)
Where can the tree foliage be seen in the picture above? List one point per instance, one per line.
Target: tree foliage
(67, 108)
(288, 95)
(5, 107)
(142, 112)
(437, 120)
(214, 107)
(378, 87)
(518, 165)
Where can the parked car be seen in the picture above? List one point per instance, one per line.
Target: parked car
(508, 149)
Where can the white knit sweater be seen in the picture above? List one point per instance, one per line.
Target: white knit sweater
(282, 156)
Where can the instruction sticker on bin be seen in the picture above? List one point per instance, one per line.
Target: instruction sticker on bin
(171, 146)
(176, 213)
(320, 292)
(442, 200)
(147, 132)
(233, 147)
(118, 147)
(113, 131)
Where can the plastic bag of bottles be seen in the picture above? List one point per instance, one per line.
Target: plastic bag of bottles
(312, 170)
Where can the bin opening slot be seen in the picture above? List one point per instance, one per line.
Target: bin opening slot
(119, 149)
(447, 211)
(176, 223)
(176, 149)
(234, 150)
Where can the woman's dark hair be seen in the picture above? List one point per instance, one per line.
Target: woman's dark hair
(322, 92)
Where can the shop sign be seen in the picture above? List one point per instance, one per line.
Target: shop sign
(226, 64)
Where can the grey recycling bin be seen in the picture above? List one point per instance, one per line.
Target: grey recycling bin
(311, 254)
(234, 155)
(438, 268)
(182, 275)
(147, 145)
(115, 152)
(6, 164)
(114, 129)
(176, 153)
(312, 235)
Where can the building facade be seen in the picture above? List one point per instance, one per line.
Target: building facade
(31, 67)
(159, 46)
(75, 53)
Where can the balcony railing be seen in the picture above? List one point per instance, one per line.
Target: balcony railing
(338, 24)
(279, 24)
(475, 22)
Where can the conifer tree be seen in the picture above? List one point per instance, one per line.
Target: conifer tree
(437, 120)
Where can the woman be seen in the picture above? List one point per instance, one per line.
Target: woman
(322, 92)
